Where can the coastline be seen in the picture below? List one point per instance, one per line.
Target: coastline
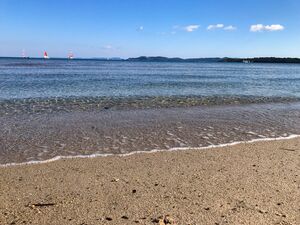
(40, 137)
(245, 183)
(56, 158)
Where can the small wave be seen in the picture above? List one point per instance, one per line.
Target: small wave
(151, 151)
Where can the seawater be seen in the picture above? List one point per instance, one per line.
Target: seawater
(53, 109)
(25, 78)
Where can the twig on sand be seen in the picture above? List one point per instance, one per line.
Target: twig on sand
(288, 149)
(41, 205)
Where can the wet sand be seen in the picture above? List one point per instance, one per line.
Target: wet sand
(253, 183)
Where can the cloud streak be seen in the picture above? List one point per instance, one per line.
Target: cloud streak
(221, 26)
(216, 26)
(230, 28)
(261, 27)
(191, 28)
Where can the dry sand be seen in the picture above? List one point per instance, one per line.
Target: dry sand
(254, 183)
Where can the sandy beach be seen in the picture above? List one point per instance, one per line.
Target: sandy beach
(149, 112)
(251, 183)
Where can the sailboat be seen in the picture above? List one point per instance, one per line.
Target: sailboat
(70, 55)
(246, 61)
(24, 55)
(46, 55)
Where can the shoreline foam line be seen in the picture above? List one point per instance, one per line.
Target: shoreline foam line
(56, 158)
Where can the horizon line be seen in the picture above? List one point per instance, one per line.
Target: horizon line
(153, 56)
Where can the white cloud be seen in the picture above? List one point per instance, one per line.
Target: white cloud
(221, 26)
(261, 27)
(274, 27)
(257, 28)
(230, 28)
(216, 26)
(191, 28)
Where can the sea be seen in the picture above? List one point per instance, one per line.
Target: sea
(51, 109)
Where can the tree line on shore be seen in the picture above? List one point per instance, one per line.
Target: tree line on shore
(226, 59)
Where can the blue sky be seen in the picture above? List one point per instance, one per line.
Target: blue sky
(129, 28)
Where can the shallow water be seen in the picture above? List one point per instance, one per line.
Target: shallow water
(31, 137)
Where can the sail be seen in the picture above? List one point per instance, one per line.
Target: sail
(70, 55)
(46, 55)
(23, 54)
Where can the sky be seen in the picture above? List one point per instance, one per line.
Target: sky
(131, 28)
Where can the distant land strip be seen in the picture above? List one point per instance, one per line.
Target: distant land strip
(190, 60)
(226, 59)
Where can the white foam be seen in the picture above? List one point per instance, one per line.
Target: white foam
(151, 151)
